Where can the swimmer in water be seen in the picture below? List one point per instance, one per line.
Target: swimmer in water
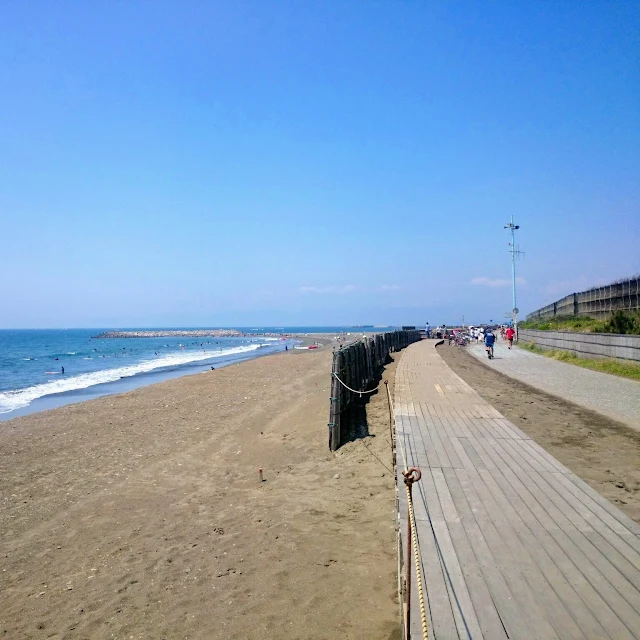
(62, 369)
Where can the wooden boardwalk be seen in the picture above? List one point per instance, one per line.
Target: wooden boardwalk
(513, 544)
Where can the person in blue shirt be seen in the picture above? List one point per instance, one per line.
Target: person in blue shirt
(427, 330)
(489, 340)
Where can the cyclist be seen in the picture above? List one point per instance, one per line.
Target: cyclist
(489, 340)
(510, 333)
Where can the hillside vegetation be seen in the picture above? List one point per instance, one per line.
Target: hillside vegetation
(620, 322)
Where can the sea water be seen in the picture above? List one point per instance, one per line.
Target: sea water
(31, 362)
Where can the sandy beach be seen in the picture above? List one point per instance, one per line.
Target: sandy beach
(141, 515)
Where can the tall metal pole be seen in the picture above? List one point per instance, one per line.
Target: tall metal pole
(514, 253)
(513, 262)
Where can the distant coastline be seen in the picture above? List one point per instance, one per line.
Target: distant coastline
(170, 333)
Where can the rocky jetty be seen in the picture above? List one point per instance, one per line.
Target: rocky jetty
(170, 333)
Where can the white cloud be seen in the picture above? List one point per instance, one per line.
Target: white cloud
(390, 287)
(345, 288)
(495, 282)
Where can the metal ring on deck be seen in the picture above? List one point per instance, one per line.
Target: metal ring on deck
(412, 474)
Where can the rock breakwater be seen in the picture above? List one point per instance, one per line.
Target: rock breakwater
(170, 333)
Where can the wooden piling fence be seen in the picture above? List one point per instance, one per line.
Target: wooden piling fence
(359, 366)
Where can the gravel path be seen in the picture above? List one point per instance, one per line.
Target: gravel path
(612, 396)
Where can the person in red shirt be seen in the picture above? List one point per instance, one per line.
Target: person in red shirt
(509, 335)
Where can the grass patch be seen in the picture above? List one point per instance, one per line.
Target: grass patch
(615, 367)
(566, 323)
(620, 322)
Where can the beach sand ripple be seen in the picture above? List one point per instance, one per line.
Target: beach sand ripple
(141, 515)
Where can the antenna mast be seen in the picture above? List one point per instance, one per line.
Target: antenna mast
(515, 253)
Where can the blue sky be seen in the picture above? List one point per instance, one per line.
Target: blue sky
(244, 163)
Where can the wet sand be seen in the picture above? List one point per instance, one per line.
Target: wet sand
(141, 515)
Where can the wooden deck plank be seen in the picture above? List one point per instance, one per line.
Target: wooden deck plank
(504, 603)
(583, 589)
(463, 428)
(533, 452)
(616, 534)
(536, 546)
(545, 454)
(515, 433)
(463, 611)
(542, 590)
(477, 428)
(486, 614)
(465, 421)
(437, 443)
(498, 429)
(444, 625)
(484, 607)
(507, 459)
(603, 562)
(591, 586)
(511, 568)
(475, 461)
(487, 460)
(526, 457)
(467, 463)
(433, 451)
(588, 493)
(571, 539)
(429, 449)
(482, 444)
(512, 543)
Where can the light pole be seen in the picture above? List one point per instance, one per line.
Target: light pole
(514, 253)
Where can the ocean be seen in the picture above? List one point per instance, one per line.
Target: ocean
(31, 362)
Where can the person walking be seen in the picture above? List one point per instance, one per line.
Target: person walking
(510, 334)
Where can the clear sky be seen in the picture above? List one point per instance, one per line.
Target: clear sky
(281, 163)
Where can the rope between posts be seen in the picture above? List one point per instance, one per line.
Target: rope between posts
(409, 479)
(393, 414)
(335, 375)
(416, 560)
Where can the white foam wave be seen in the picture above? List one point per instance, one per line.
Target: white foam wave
(19, 398)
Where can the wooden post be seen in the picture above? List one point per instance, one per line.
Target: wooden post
(408, 572)
(334, 407)
(359, 366)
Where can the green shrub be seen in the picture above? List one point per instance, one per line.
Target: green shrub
(625, 323)
(621, 322)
